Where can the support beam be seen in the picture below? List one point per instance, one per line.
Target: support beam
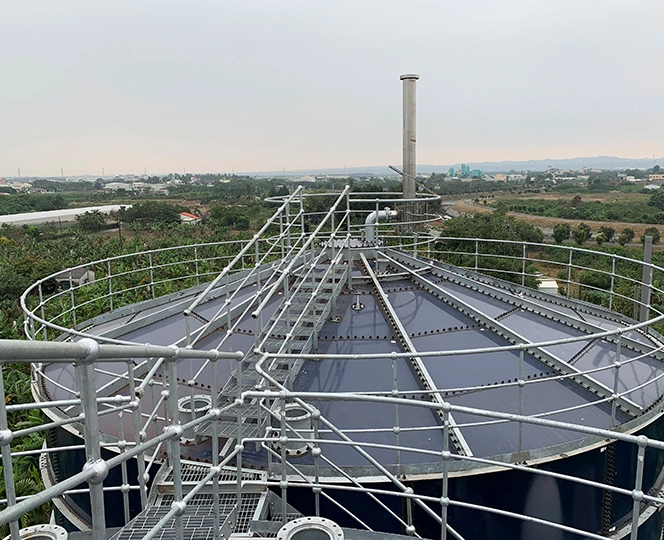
(527, 303)
(418, 365)
(503, 331)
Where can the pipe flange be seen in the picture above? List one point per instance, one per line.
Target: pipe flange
(41, 532)
(310, 528)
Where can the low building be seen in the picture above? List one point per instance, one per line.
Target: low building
(548, 285)
(74, 277)
(114, 186)
(186, 217)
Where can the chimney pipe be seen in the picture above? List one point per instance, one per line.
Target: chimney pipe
(409, 157)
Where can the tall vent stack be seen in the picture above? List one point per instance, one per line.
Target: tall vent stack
(409, 140)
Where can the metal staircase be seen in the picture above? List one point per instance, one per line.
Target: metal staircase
(308, 300)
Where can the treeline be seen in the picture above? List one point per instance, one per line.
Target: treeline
(496, 226)
(576, 208)
(18, 204)
(439, 184)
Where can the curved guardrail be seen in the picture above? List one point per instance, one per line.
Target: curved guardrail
(618, 283)
(609, 279)
(87, 354)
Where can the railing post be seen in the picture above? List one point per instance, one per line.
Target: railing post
(316, 451)
(283, 484)
(569, 274)
(151, 276)
(110, 283)
(522, 384)
(85, 375)
(288, 224)
(446, 455)
(5, 441)
(396, 429)
(198, 277)
(214, 391)
(350, 263)
(523, 266)
(613, 279)
(73, 299)
(616, 379)
(238, 438)
(477, 251)
(124, 488)
(174, 443)
(646, 281)
(43, 314)
(637, 493)
(281, 234)
(138, 438)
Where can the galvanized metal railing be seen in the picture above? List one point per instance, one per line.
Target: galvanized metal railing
(631, 286)
(87, 353)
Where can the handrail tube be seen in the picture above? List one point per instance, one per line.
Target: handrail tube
(17, 351)
(308, 242)
(347, 396)
(243, 252)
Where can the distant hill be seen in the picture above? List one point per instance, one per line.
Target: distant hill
(598, 162)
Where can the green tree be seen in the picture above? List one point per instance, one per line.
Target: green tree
(650, 231)
(91, 221)
(608, 232)
(581, 233)
(149, 212)
(657, 199)
(628, 235)
(561, 232)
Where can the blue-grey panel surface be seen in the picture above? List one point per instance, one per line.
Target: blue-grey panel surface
(107, 326)
(349, 416)
(419, 311)
(468, 370)
(480, 301)
(369, 375)
(553, 306)
(540, 397)
(374, 375)
(599, 322)
(247, 322)
(632, 373)
(641, 338)
(62, 375)
(367, 322)
(235, 342)
(537, 329)
(164, 332)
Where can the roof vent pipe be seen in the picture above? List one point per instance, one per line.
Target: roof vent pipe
(409, 141)
(375, 217)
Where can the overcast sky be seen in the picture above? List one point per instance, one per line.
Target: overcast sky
(258, 85)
